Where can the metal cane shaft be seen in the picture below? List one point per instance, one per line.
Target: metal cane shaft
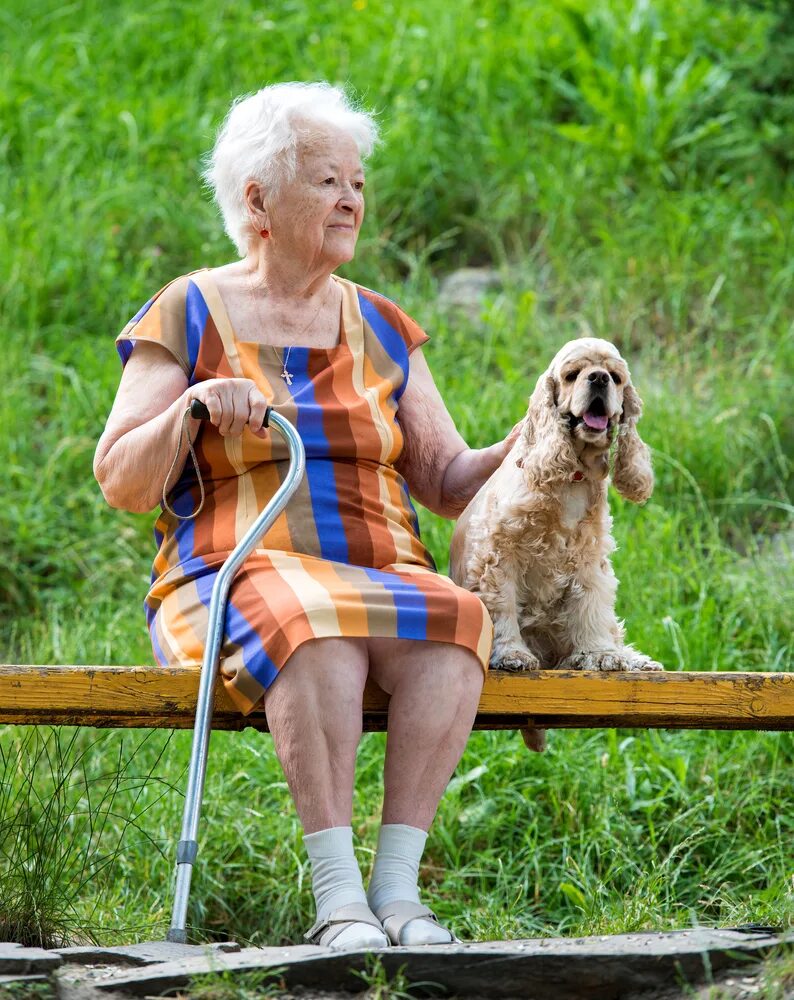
(188, 844)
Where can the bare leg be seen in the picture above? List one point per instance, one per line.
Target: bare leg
(435, 689)
(314, 711)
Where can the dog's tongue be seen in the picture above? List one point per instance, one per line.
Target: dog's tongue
(596, 421)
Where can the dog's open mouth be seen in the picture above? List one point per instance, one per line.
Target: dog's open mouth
(594, 417)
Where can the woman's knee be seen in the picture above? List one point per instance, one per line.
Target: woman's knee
(453, 669)
(321, 671)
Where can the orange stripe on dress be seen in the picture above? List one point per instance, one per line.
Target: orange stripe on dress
(451, 603)
(350, 607)
(187, 619)
(389, 493)
(260, 597)
(296, 573)
(176, 632)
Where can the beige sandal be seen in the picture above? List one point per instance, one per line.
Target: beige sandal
(394, 916)
(325, 932)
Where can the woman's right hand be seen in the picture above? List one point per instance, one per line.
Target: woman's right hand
(233, 403)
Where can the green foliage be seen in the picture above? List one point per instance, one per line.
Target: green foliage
(641, 89)
(234, 985)
(62, 827)
(624, 165)
(381, 986)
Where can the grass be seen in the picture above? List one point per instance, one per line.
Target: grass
(625, 168)
(61, 828)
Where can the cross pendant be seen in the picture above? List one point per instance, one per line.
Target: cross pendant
(286, 376)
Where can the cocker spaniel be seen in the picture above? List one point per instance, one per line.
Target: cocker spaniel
(534, 543)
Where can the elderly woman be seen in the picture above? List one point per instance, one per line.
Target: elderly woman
(341, 587)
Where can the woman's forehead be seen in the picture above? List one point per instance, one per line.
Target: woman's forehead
(329, 145)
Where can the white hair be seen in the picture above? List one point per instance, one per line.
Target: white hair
(259, 141)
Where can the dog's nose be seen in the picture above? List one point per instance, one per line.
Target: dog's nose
(599, 377)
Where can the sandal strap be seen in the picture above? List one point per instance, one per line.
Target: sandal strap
(358, 913)
(394, 916)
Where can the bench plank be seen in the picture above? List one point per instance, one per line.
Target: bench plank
(155, 697)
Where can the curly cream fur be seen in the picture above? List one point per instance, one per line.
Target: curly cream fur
(535, 541)
(632, 475)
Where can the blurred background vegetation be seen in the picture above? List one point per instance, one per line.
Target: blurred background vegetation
(623, 167)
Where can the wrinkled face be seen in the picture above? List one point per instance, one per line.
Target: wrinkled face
(316, 216)
(590, 377)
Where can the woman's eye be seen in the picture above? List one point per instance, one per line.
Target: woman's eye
(329, 180)
(359, 185)
(572, 376)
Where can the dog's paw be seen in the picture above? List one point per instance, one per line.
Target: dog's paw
(638, 661)
(610, 660)
(603, 659)
(514, 659)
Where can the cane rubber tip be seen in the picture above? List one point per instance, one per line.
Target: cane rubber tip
(177, 935)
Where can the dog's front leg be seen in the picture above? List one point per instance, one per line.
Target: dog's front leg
(497, 590)
(595, 635)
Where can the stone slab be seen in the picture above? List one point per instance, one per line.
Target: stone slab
(14, 958)
(143, 953)
(600, 968)
(8, 981)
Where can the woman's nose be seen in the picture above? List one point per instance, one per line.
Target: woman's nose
(350, 199)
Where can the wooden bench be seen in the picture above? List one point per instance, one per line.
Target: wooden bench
(150, 697)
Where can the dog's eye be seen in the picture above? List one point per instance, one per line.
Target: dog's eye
(572, 376)
(616, 378)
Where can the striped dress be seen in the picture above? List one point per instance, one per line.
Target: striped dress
(345, 558)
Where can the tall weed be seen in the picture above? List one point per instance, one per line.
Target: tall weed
(67, 812)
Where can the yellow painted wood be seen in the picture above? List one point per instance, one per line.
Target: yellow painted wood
(153, 697)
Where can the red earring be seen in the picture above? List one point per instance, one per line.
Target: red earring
(264, 233)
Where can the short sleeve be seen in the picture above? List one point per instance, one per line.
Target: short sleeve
(408, 329)
(164, 320)
(413, 334)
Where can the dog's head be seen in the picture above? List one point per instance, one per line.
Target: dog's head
(583, 401)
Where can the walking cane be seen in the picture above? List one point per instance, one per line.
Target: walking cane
(187, 848)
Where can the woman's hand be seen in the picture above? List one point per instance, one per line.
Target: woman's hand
(234, 403)
(144, 429)
(512, 437)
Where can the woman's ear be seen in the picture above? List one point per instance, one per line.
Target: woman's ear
(255, 201)
(548, 450)
(632, 476)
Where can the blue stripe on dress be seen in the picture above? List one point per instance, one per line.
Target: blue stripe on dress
(410, 603)
(196, 313)
(126, 347)
(255, 657)
(159, 655)
(144, 309)
(392, 341)
(320, 476)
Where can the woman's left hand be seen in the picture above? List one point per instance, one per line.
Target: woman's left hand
(512, 437)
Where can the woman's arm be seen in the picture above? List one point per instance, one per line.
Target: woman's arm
(442, 472)
(142, 432)
(144, 428)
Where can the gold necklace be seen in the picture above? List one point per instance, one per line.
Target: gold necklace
(285, 374)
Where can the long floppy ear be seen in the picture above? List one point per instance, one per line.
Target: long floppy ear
(632, 476)
(547, 450)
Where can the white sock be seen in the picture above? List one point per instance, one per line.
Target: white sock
(395, 875)
(336, 881)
